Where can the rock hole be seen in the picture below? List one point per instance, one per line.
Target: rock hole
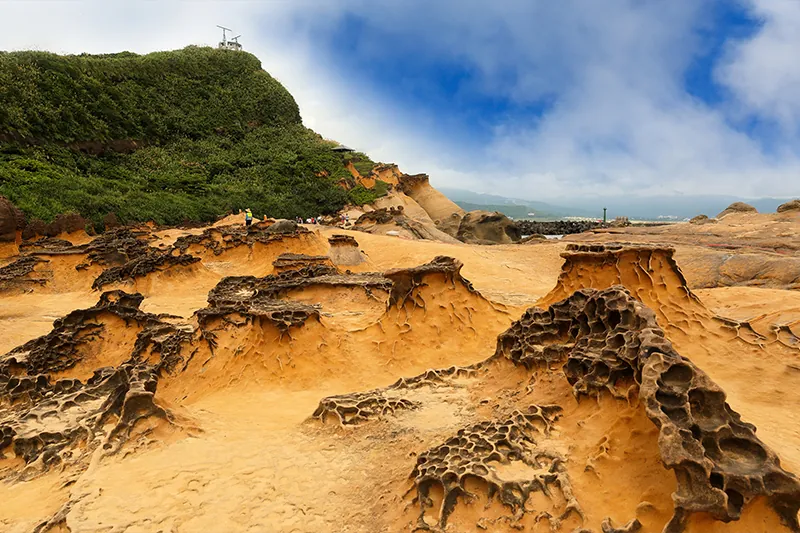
(716, 480)
(742, 450)
(735, 502)
(614, 319)
(670, 400)
(677, 375)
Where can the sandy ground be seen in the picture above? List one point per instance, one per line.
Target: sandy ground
(243, 454)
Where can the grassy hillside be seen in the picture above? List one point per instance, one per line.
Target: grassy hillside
(168, 136)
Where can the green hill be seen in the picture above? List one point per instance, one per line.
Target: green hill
(169, 136)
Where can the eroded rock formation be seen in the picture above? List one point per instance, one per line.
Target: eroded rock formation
(791, 205)
(405, 280)
(702, 219)
(219, 239)
(12, 220)
(290, 261)
(344, 251)
(21, 273)
(737, 207)
(473, 452)
(607, 343)
(444, 213)
(483, 227)
(611, 343)
(54, 399)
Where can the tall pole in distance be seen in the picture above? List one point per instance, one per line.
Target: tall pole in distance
(604, 214)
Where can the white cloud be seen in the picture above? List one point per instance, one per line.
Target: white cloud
(621, 121)
(764, 71)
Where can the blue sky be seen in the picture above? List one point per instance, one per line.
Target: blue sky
(446, 85)
(525, 98)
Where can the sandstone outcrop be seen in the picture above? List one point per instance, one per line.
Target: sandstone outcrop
(737, 207)
(483, 227)
(606, 343)
(444, 213)
(12, 220)
(344, 251)
(791, 205)
(64, 223)
(702, 219)
(395, 218)
(54, 402)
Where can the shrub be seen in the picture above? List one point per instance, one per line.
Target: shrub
(214, 133)
(361, 195)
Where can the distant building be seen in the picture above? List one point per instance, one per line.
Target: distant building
(342, 148)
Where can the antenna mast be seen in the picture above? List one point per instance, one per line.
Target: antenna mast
(232, 44)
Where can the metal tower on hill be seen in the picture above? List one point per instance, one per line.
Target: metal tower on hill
(229, 44)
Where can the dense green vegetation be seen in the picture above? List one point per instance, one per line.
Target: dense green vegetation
(214, 133)
(360, 195)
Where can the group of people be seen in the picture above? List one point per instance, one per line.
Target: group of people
(344, 219)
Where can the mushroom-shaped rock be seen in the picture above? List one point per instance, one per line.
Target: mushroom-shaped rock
(791, 205)
(702, 219)
(738, 207)
(484, 227)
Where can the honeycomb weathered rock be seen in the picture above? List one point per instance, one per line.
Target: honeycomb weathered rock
(18, 273)
(222, 238)
(48, 244)
(152, 261)
(290, 261)
(357, 407)
(474, 453)
(384, 215)
(406, 280)
(609, 341)
(114, 247)
(360, 407)
(44, 416)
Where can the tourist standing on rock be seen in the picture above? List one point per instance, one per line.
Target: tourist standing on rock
(248, 217)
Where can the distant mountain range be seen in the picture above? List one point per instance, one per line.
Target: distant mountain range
(676, 207)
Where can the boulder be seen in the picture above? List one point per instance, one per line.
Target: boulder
(110, 221)
(738, 207)
(282, 226)
(535, 238)
(557, 227)
(12, 220)
(702, 219)
(33, 229)
(791, 205)
(484, 227)
(67, 223)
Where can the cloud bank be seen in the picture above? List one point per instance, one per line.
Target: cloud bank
(531, 99)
